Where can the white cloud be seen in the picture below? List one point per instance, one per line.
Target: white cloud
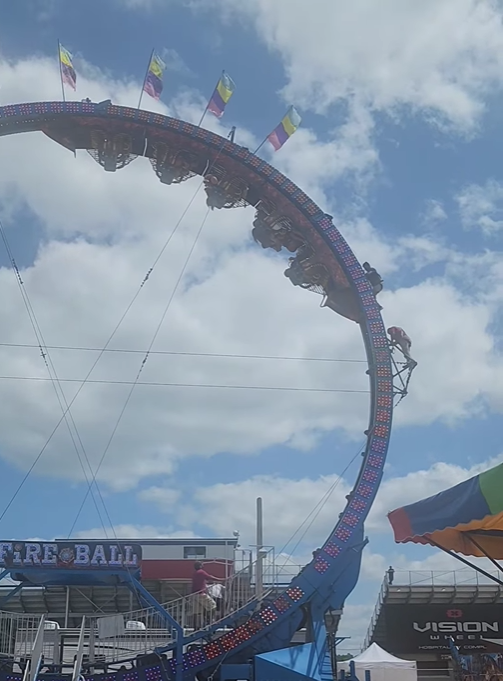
(434, 213)
(388, 55)
(133, 532)
(437, 316)
(174, 61)
(163, 497)
(299, 514)
(101, 233)
(349, 151)
(481, 207)
(419, 484)
(440, 568)
(354, 622)
(292, 509)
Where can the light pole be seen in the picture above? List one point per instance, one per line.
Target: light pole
(260, 540)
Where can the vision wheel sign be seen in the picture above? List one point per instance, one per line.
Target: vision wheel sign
(428, 628)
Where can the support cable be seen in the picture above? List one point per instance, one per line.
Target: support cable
(315, 512)
(53, 377)
(142, 366)
(112, 335)
(168, 384)
(180, 353)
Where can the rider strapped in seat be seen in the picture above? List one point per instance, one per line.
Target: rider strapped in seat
(305, 270)
(215, 195)
(174, 170)
(265, 236)
(374, 278)
(273, 232)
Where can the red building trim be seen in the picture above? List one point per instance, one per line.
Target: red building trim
(183, 569)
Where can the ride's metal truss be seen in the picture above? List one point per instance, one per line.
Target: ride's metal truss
(402, 373)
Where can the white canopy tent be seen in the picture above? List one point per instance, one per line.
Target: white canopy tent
(382, 666)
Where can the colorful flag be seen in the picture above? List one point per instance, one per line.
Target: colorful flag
(153, 80)
(68, 74)
(220, 98)
(285, 129)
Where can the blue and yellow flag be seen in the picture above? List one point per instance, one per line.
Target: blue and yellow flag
(153, 80)
(285, 129)
(68, 74)
(220, 97)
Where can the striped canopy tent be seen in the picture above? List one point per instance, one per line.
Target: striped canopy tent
(466, 519)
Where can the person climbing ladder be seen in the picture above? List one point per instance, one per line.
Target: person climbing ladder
(400, 340)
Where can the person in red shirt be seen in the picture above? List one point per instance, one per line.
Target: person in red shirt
(203, 603)
(401, 340)
(200, 579)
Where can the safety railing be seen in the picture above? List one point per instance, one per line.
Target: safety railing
(17, 634)
(128, 638)
(377, 611)
(106, 639)
(113, 638)
(460, 577)
(147, 629)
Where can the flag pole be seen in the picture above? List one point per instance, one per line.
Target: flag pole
(61, 71)
(203, 116)
(261, 145)
(145, 79)
(208, 104)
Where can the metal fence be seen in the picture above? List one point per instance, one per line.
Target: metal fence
(443, 577)
(17, 634)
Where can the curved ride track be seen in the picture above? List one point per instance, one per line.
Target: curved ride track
(115, 136)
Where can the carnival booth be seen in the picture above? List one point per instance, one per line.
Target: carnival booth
(382, 666)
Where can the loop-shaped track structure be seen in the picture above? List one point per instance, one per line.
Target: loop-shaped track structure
(116, 136)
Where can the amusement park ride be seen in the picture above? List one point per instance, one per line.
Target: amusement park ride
(254, 640)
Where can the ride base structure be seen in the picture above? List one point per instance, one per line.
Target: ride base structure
(144, 644)
(253, 641)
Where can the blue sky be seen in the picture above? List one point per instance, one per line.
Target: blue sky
(401, 141)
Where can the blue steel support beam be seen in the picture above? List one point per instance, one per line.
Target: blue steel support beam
(12, 593)
(151, 601)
